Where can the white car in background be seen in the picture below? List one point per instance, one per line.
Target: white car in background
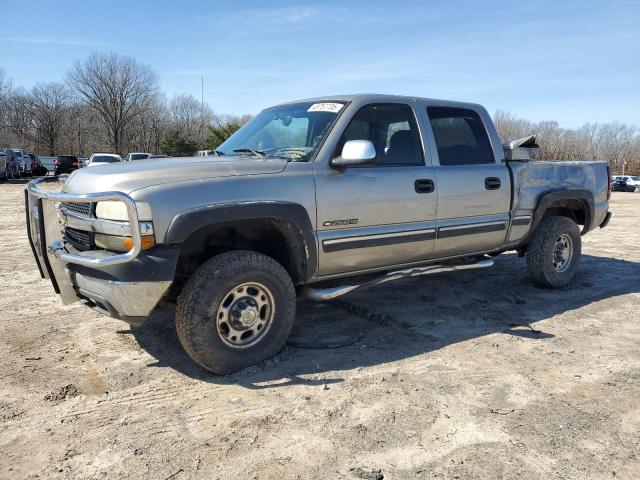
(103, 159)
(138, 156)
(205, 153)
(24, 162)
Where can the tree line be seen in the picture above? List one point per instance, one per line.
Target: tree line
(615, 142)
(108, 103)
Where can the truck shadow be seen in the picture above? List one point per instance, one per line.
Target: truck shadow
(406, 318)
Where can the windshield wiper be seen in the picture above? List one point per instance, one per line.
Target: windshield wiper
(219, 153)
(257, 153)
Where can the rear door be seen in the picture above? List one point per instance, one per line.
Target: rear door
(474, 187)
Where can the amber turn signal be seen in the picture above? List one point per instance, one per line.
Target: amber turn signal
(122, 244)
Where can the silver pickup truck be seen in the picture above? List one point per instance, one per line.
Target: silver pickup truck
(318, 197)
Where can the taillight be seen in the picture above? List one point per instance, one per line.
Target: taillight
(75, 164)
(610, 181)
(57, 163)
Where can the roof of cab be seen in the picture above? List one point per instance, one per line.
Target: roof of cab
(383, 98)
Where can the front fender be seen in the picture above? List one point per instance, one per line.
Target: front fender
(186, 223)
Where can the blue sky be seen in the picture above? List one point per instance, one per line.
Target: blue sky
(573, 61)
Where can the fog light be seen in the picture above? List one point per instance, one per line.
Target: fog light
(122, 244)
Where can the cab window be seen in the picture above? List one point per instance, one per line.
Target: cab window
(392, 129)
(460, 136)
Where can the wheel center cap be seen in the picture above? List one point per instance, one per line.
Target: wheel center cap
(561, 253)
(248, 316)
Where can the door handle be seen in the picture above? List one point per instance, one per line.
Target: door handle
(492, 183)
(424, 185)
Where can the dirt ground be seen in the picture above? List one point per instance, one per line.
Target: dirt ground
(467, 375)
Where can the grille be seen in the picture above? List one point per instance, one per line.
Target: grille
(82, 208)
(80, 239)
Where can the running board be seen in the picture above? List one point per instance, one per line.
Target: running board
(329, 293)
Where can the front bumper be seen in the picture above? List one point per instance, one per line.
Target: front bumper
(126, 286)
(128, 301)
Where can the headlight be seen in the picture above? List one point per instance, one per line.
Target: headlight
(115, 210)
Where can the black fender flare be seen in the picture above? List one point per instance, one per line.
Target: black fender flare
(295, 215)
(548, 199)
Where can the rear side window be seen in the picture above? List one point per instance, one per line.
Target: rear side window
(392, 129)
(460, 136)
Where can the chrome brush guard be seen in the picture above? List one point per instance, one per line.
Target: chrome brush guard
(45, 227)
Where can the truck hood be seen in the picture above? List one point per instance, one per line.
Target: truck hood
(129, 176)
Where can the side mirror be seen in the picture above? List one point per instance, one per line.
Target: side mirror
(355, 153)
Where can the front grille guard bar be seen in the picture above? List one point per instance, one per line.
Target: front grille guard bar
(57, 247)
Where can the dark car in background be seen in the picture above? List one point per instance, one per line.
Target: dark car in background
(66, 164)
(37, 168)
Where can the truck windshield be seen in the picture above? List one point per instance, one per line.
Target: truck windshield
(293, 132)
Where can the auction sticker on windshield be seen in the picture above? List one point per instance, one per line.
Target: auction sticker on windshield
(325, 107)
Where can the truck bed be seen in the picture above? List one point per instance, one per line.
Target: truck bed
(532, 179)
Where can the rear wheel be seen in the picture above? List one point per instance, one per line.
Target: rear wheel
(554, 252)
(236, 310)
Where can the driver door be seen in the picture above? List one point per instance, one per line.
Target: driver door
(382, 214)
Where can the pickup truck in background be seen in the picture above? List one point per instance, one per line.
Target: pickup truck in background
(316, 197)
(625, 183)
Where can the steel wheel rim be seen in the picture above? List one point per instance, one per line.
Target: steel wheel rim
(562, 253)
(245, 315)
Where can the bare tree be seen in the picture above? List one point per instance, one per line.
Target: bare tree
(148, 128)
(615, 142)
(18, 120)
(190, 117)
(48, 105)
(6, 87)
(509, 127)
(116, 88)
(233, 118)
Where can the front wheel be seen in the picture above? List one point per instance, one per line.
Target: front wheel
(554, 252)
(236, 310)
